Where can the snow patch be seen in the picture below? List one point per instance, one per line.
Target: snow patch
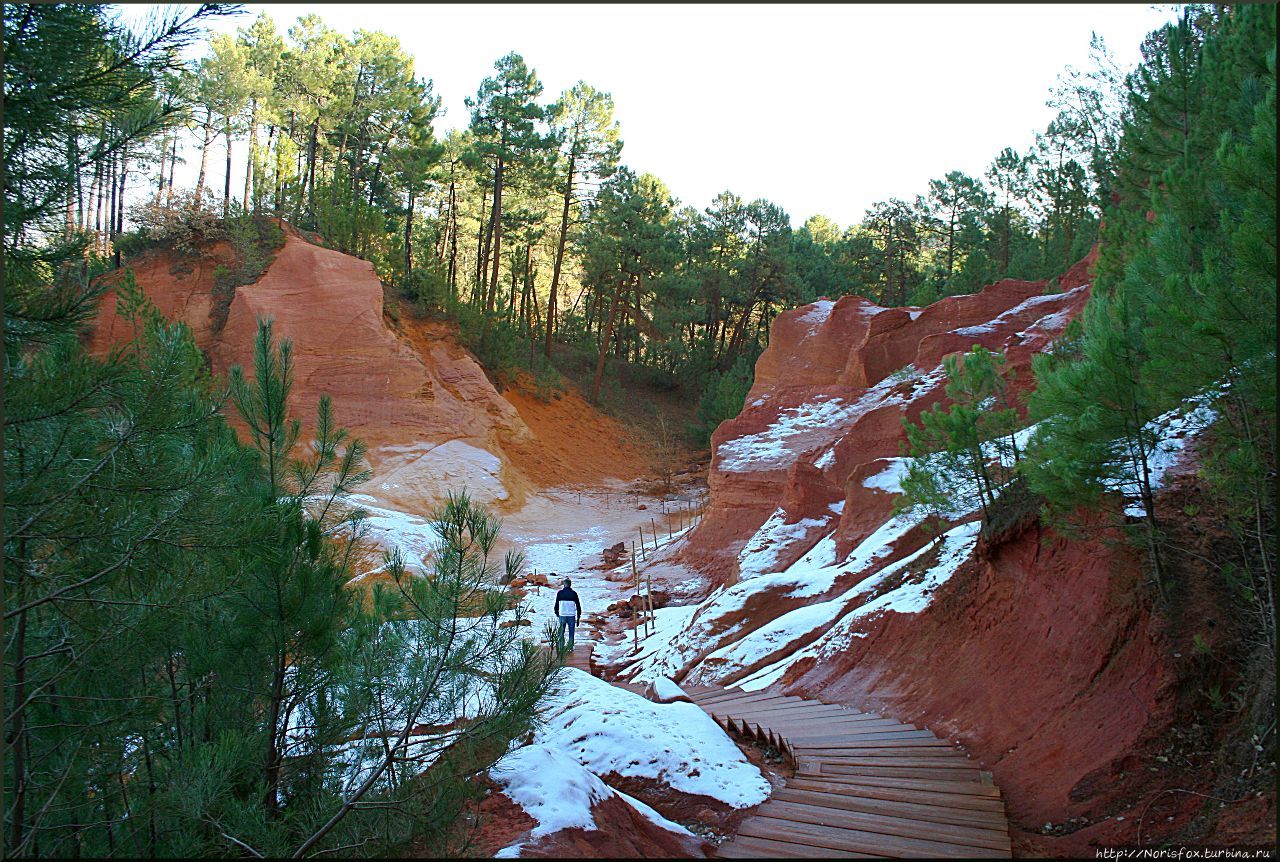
(665, 690)
(889, 479)
(1172, 431)
(1029, 302)
(910, 597)
(816, 315)
(607, 729)
(777, 446)
(761, 552)
(552, 787)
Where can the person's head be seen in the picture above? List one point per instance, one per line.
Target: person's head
(567, 583)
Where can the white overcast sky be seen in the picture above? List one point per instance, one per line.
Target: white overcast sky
(819, 108)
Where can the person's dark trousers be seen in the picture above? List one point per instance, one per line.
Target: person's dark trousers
(566, 622)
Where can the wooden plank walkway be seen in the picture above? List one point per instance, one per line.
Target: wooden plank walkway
(865, 786)
(580, 657)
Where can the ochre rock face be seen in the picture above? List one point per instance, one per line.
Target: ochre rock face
(182, 289)
(1040, 654)
(419, 401)
(831, 391)
(330, 305)
(1040, 658)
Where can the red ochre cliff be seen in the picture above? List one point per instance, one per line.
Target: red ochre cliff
(430, 416)
(1038, 651)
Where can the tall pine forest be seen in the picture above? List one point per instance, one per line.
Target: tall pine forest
(182, 658)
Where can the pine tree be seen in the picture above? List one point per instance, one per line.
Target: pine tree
(582, 123)
(953, 204)
(1094, 434)
(503, 117)
(953, 447)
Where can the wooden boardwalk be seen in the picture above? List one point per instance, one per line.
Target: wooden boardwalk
(580, 658)
(864, 785)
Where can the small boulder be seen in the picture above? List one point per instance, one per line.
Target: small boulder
(615, 555)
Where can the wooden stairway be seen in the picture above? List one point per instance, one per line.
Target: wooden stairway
(864, 785)
(580, 657)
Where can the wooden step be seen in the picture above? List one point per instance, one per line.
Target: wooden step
(754, 702)
(803, 714)
(955, 788)
(837, 742)
(748, 847)
(798, 739)
(799, 727)
(731, 693)
(865, 785)
(814, 721)
(937, 773)
(958, 802)
(805, 706)
(855, 840)
(886, 824)
(946, 760)
(929, 808)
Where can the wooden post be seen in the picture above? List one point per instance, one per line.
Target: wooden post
(655, 533)
(635, 579)
(641, 543)
(648, 593)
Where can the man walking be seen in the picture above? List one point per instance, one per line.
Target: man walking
(569, 610)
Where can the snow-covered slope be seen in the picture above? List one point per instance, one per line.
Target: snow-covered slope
(595, 735)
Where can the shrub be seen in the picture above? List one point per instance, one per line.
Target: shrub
(184, 225)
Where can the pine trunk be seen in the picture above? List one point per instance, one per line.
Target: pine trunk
(16, 742)
(164, 151)
(119, 225)
(69, 213)
(951, 248)
(604, 344)
(310, 182)
(408, 240)
(226, 183)
(173, 166)
(248, 161)
(93, 194)
(496, 234)
(266, 156)
(453, 239)
(204, 154)
(112, 176)
(555, 270)
(271, 800)
(477, 295)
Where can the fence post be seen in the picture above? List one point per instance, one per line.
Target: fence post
(650, 626)
(635, 580)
